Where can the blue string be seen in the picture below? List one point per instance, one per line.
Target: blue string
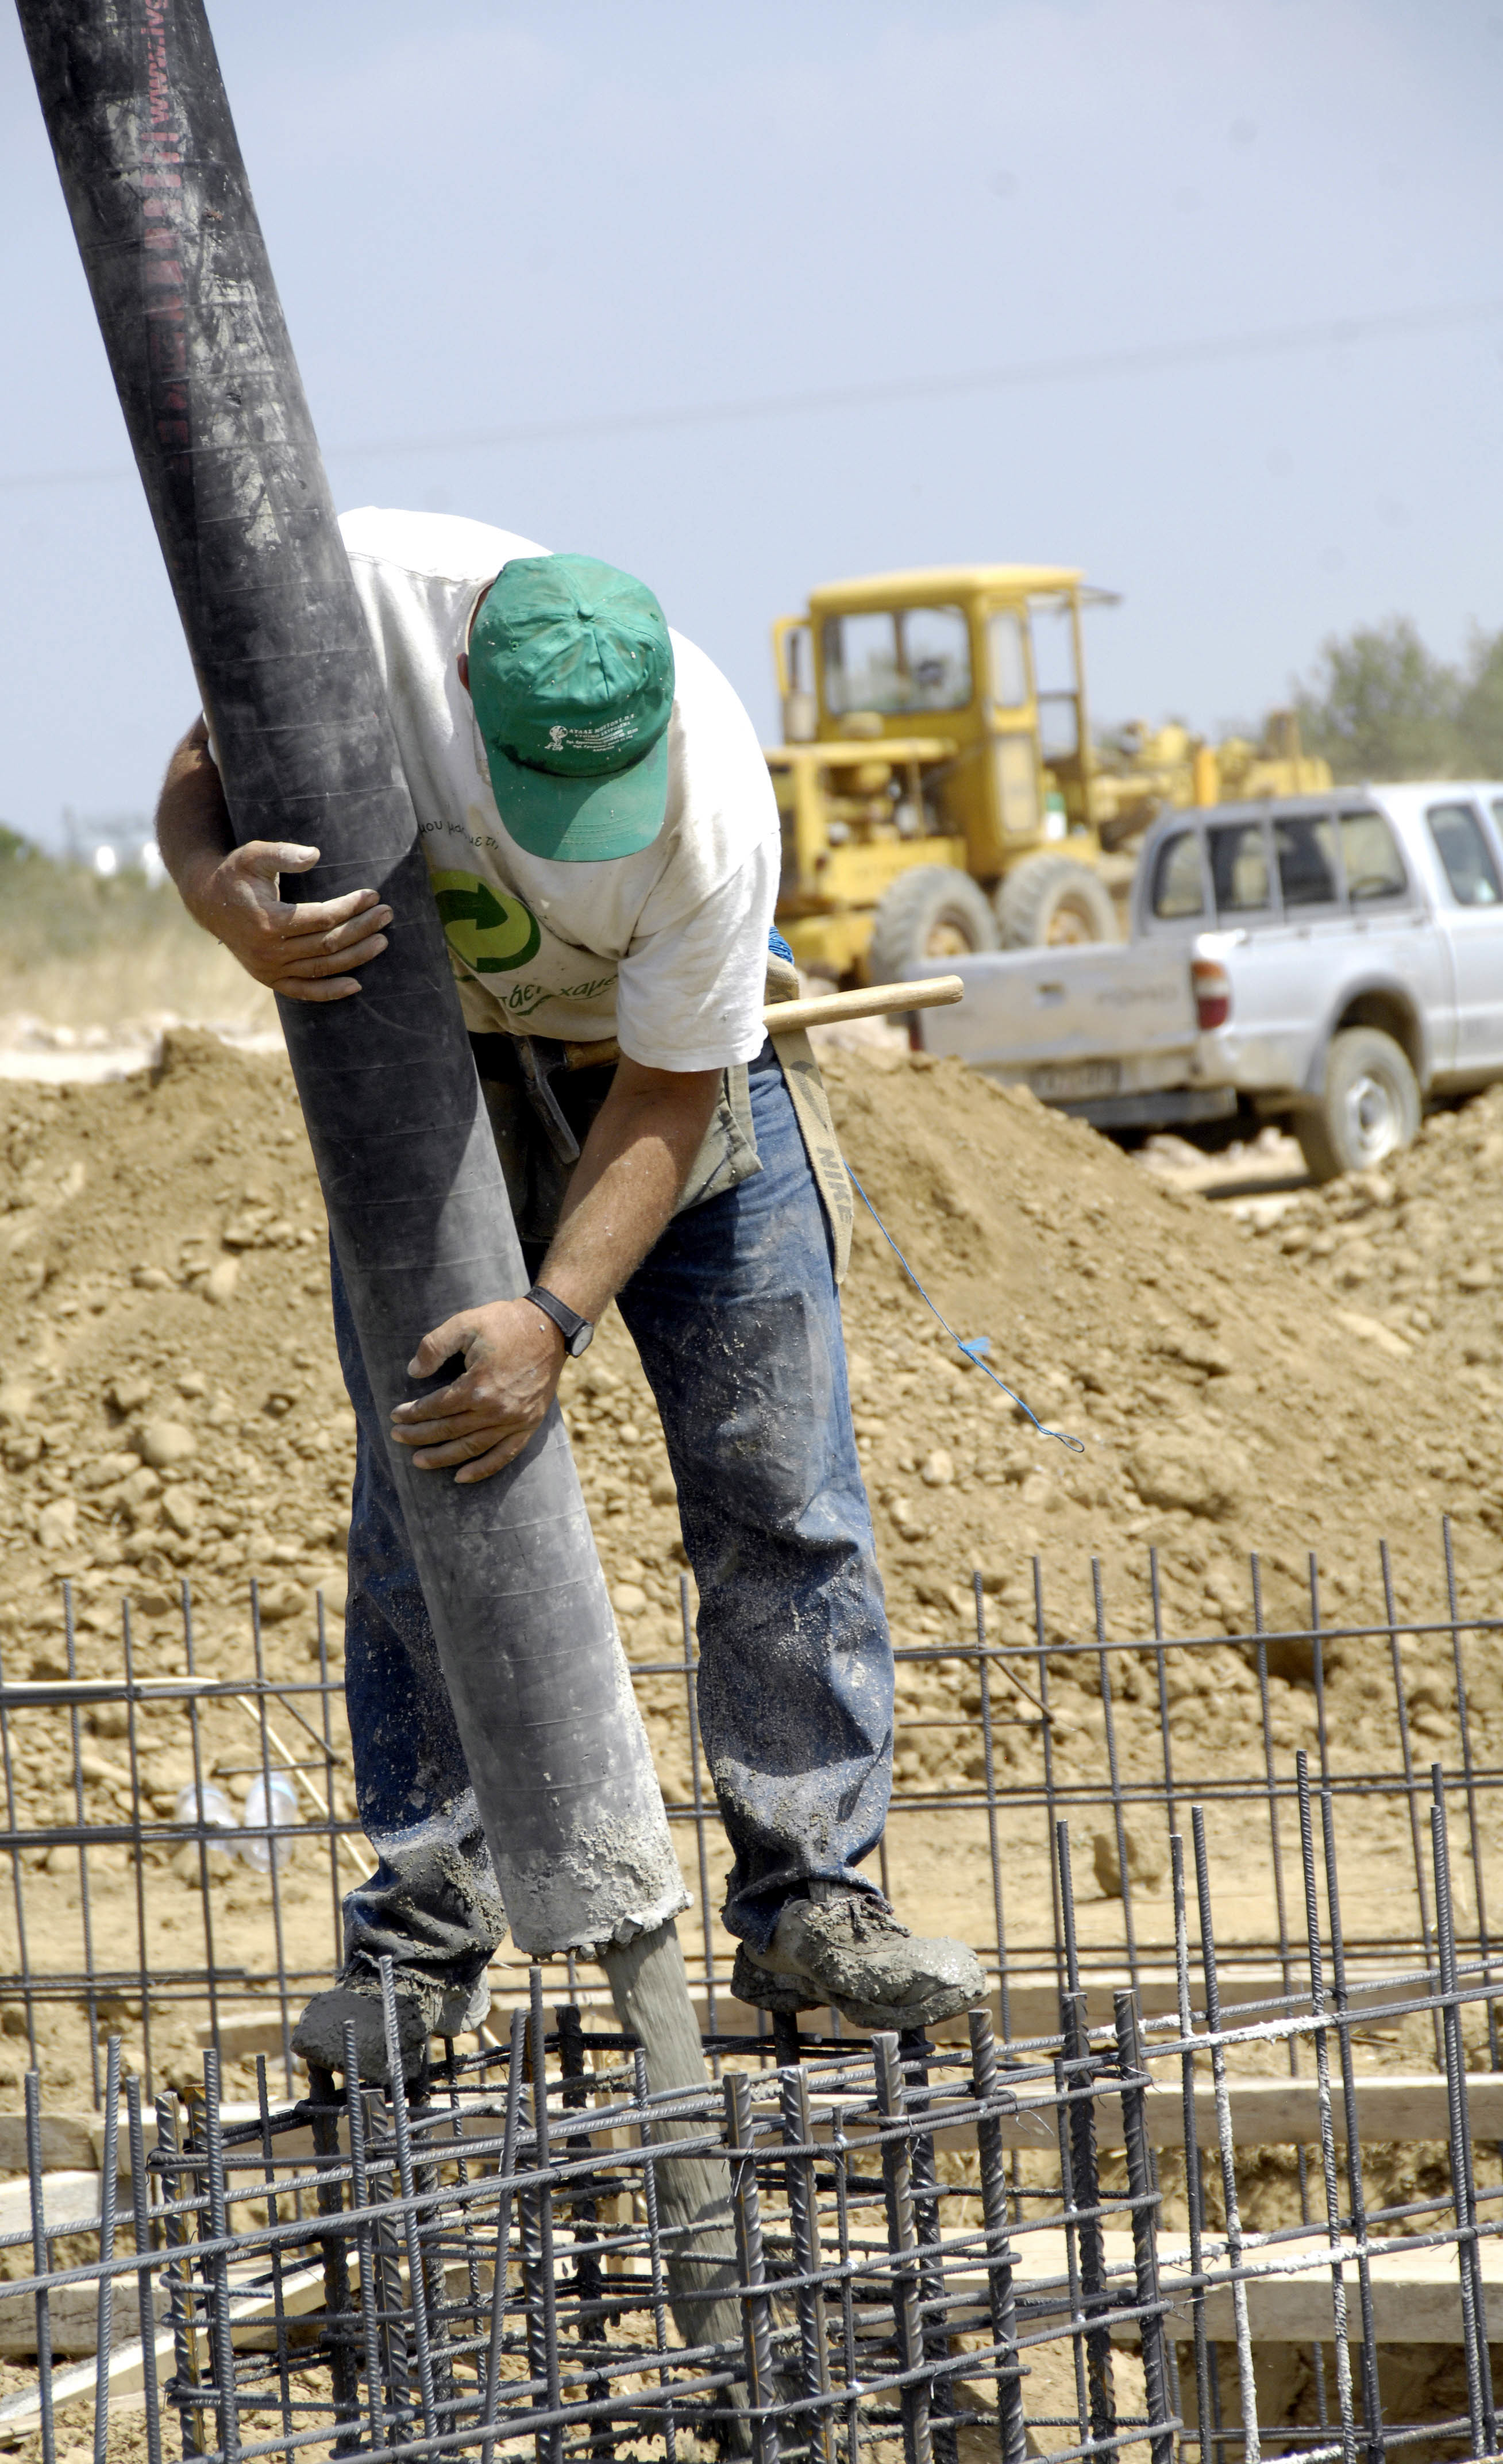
(1073, 1445)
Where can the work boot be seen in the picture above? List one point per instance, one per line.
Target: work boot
(844, 1948)
(424, 2008)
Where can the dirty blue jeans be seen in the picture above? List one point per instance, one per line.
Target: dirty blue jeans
(735, 1317)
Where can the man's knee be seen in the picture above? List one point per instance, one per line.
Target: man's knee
(762, 1412)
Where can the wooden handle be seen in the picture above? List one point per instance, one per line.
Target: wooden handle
(873, 1001)
(823, 1009)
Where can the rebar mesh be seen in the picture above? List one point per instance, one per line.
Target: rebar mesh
(1116, 1767)
(1031, 2237)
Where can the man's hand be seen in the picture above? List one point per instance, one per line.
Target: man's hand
(304, 952)
(625, 1185)
(514, 1354)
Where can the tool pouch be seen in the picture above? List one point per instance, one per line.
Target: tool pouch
(540, 1116)
(811, 1104)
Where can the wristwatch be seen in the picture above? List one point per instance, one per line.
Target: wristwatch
(578, 1333)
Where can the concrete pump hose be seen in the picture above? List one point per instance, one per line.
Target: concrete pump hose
(162, 210)
(650, 1991)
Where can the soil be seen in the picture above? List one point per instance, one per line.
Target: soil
(170, 1409)
(1417, 1247)
(1221, 1406)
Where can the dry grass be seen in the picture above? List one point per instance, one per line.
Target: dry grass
(78, 951)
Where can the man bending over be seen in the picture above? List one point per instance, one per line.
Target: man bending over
(604, 845)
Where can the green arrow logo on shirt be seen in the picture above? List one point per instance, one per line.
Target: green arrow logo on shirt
(488, 929)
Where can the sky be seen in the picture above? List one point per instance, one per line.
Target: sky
(1201, 295)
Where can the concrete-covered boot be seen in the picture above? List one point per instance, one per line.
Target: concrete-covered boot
(424, 2008)
(842, 1948)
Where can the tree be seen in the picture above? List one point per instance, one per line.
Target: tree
(1479, 714)
(1380, 706)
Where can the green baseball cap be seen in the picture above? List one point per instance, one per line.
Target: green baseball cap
(571, 675)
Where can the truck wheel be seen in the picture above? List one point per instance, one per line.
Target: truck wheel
(928, 917)
(1049, 900)
(1370, 1106)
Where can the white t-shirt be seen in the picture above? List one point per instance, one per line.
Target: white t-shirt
(666, 949)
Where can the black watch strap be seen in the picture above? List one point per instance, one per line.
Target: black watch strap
(578, 1332)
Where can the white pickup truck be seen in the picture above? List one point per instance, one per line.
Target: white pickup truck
(1328, 960)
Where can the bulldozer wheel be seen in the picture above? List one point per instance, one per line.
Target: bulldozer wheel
(928, 917)
(1050, 900)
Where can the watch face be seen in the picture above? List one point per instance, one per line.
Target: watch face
(582, 1340)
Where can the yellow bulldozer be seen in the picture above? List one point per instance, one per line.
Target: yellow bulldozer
(939, 788)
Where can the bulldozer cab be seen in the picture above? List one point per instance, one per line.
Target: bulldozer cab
(931, 719)
(985, 655)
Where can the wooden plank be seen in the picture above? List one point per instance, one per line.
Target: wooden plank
(1274, 2113)
(74, 2312)
(1265, 2113)
(68, 2142)
(75, 2319)
(254, 2029)
(1416, 2294)
(1279, 2112)
(232, 2117)
(1032, 2005)
(1392, 2106)
(1416, 2300)
(70, 2203)
(1034, 2001)
(127, 2375)
(243, 2034)
(1033, 2009)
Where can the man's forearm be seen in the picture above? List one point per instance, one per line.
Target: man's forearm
(625, 1186)
(627, 1181)
(193, 831)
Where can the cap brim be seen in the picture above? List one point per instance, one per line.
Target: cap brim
(581, 820)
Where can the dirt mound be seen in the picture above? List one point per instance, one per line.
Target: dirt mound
(1223, 1406)
(171, 1401)
(171, 1406)
(1417, 1250)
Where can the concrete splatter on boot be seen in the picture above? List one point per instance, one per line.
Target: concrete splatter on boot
(844, 1948)
(426, 2008)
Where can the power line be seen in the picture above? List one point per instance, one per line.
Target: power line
(1147, 359)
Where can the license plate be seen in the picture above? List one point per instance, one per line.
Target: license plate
(1066, 1082)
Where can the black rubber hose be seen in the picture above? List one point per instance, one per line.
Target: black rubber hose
(151, 170)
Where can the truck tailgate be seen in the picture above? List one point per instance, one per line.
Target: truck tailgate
(1073, 1022)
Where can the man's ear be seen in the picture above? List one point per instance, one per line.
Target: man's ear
(464, 669)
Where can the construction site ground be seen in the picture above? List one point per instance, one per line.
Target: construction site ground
(1283, 1370)
(171, 1404)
